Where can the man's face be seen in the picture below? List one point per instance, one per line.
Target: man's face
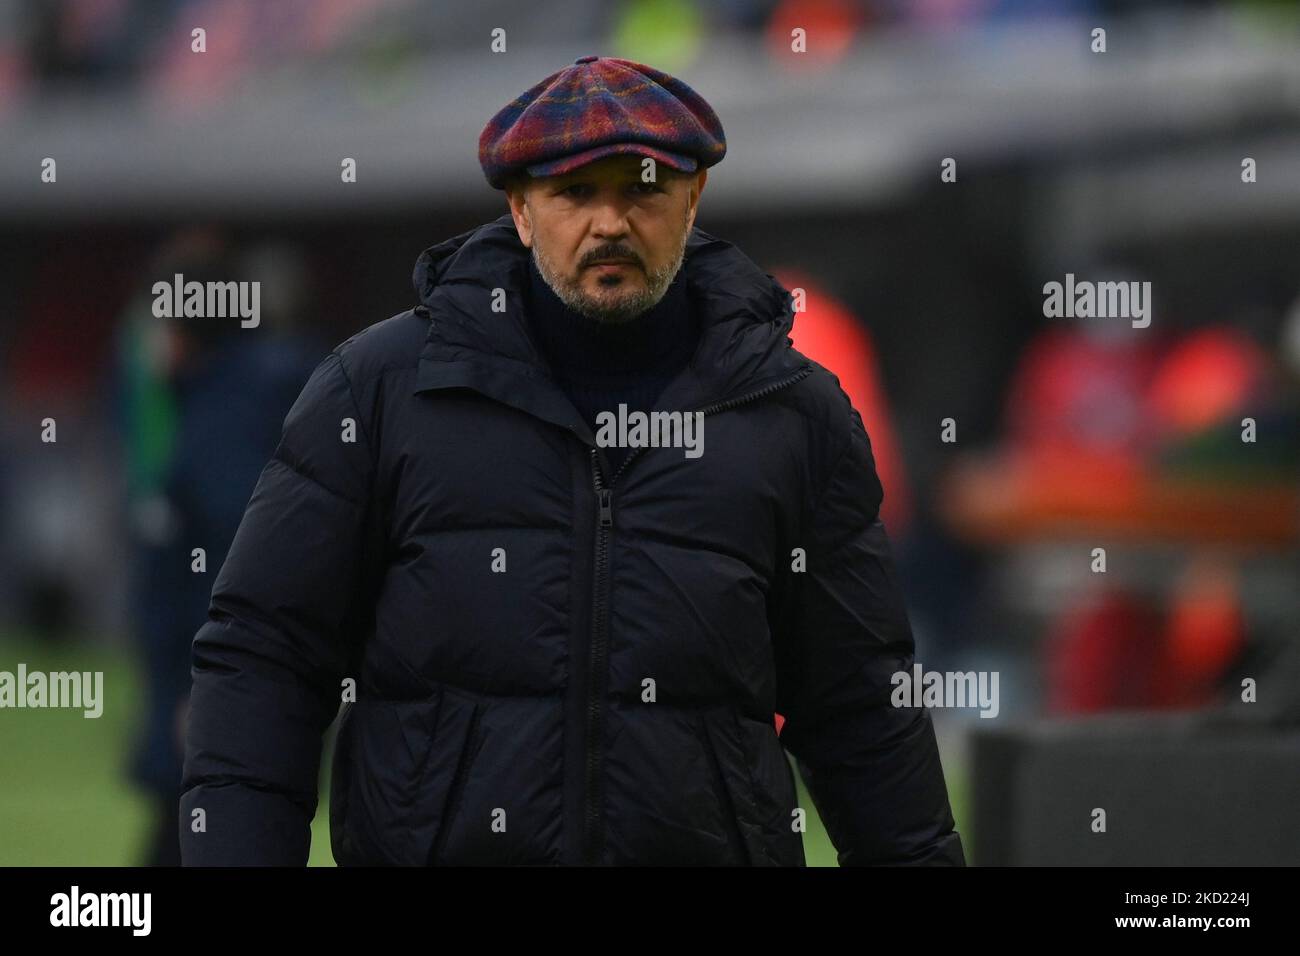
(603, 211)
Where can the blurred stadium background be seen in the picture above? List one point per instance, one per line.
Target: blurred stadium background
(1119, 689)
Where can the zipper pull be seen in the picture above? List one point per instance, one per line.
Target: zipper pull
(606, 508)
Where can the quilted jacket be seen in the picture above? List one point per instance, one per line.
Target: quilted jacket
(534, 660)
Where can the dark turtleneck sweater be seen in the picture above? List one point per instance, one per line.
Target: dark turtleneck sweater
(600, 365)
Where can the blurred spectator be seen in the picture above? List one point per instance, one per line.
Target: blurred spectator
(203, 400)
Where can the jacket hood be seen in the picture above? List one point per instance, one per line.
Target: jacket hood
(745, 318)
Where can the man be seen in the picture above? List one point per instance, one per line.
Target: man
(556, 641)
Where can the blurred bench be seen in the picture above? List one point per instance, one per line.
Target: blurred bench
(1218, 788)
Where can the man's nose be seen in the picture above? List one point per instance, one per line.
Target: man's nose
(609, 218)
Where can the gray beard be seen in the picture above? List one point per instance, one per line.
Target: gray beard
(629, 307)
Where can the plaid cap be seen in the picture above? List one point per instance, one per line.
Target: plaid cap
(600, 106)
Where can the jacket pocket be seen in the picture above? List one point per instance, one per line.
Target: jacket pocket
(727, 796)
(396, 764)
(465, 760)
(759, 784)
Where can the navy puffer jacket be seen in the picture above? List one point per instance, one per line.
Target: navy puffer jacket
(554, 664)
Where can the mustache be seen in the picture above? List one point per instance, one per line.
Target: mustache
(610, 252)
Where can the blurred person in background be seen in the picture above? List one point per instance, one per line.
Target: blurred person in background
(201, 402)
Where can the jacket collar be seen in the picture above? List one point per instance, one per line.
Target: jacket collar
(745, 318)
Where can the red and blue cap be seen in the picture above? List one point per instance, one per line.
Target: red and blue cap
(600, 106)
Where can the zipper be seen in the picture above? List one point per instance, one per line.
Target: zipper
(599, 650)
(597, 659)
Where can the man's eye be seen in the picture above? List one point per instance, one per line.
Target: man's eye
(576, 190)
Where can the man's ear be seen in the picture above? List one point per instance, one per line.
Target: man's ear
(693, 197)
(519, 211)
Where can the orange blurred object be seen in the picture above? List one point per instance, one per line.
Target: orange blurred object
(828, 333)
(829, 26)
(1205, 378)
(1206, 630)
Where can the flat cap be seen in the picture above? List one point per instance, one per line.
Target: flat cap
(600, 106)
